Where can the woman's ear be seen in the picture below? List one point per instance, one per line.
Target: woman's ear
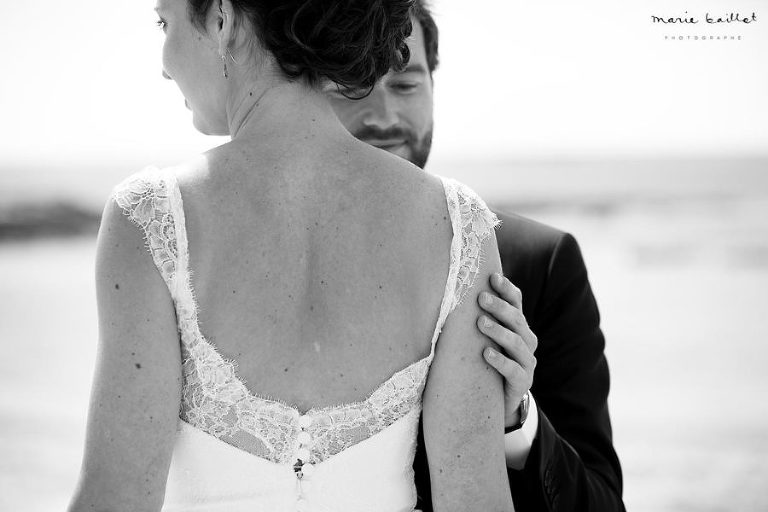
(225, 26)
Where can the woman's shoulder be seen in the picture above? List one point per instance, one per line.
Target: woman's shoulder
(436, 192)
(136, 184)
(417, 199)
(404, 186)
(153, 185)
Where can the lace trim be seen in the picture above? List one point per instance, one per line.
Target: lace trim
(476, 223)
(144, 199)
(216, 400)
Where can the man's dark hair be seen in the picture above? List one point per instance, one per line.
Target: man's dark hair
(423, 14)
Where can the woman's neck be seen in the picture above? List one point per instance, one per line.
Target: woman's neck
(292, 109)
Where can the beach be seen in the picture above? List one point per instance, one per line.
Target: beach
(678, 262)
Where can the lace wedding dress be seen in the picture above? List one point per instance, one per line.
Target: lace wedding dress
(236, 451)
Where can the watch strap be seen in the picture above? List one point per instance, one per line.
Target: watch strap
(523, 408)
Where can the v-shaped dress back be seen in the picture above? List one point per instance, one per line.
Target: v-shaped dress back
(238, 451)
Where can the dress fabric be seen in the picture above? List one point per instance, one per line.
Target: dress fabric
(238, 451)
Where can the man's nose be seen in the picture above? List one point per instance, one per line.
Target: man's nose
(381, 111)
(166, 76)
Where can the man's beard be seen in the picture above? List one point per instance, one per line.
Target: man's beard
(418, 149)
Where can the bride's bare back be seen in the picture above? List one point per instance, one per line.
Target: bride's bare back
(321, 274)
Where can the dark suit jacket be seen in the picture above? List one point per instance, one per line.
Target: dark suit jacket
(572, 465)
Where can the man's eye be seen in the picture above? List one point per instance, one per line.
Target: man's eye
(161, 24)
(405, 86)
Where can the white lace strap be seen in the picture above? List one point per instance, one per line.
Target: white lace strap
(453, 268)
(144, 198)
(183, 287)
(473, 222)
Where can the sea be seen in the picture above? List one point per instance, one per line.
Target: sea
(677, 254)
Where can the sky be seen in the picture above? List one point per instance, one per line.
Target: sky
(81, 83)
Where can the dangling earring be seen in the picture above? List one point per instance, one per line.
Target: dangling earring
(224, 61)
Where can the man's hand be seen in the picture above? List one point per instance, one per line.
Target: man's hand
(506, 325)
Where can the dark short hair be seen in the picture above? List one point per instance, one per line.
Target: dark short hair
(351, 42)
(423, 14)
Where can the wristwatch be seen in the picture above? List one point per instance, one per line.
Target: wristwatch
(523, 408)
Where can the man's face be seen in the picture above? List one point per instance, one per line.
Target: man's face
(397, 115)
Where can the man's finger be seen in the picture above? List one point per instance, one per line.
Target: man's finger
(509, 369)
(509, 316)
(507, 290)
(512, 343)
(506, 313)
